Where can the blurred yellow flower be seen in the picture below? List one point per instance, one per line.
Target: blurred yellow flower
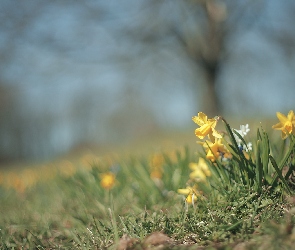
(191, 192)
(207, 127)
(200, 170)
(107, 180)
(156, 166)
(286, 124)
(216, 150)
(156, 174)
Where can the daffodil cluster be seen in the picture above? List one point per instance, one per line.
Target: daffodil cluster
(214, 147)
(229, 159)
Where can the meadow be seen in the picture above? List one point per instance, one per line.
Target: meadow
(233, 190)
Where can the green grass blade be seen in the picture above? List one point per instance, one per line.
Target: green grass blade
(290, 171)
(265, 152)
(279, 173)
(285, 159)
(231, 135)
(259, 169)
(291, 149)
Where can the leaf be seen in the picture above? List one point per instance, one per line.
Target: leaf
(234, 226)
(279, 173)
(258, 167)
(235, 145)
(231, 135)
(265, 152)
(290, 171)
(291, 149)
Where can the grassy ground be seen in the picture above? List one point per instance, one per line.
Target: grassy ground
(131, 202)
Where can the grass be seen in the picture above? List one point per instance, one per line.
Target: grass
(65, 205)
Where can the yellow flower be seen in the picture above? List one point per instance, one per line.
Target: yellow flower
(156, 174)
(207, 127)
(191, 193)
(286, 124)
(215, 150)
(200, 170)
(156, 166)
(107, 180)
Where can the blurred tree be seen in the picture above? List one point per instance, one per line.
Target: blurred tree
(206, 29)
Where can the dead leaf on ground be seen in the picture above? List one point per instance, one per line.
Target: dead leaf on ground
(157, 238)
(126, 242)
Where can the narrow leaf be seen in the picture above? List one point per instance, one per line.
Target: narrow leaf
(258, 167)
(279, 173)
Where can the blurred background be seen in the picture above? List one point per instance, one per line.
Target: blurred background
(100, 72)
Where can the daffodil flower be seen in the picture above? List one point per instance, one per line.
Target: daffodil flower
(243, 131)
(191, 193)
(247, 147)
(215, 150)
(286, 124)
(200, 170)
(207, 127)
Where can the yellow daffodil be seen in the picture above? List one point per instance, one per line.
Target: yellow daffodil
(286, 124)
(191, 193)
(207, 127)
(215, 150)
(200, 170)
(107, 180)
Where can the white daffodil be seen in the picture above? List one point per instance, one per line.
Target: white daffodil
(244, 129)
(247, 147)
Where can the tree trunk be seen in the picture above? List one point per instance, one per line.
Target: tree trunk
(211, 104)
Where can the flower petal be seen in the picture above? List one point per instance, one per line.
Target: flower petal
(290, 115)
(278, 126)
(201, 119)
(193, 166)
(282, 117)
(202, 116)
(197, 120)
(202, 131)
(189, 199)
(284, 135)
(185, 191)
(216, 134)
(198, 173)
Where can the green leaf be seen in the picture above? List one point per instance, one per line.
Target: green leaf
(235, 145)
(290, 171)
(285, 159)
(279, 173)
(231, 135)
(291, 149)
(265, 152)
(258, 167)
